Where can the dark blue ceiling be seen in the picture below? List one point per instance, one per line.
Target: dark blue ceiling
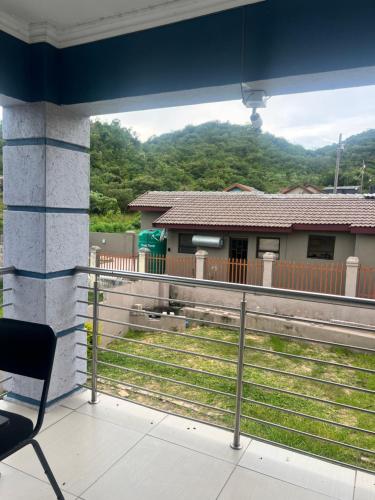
(268, 40)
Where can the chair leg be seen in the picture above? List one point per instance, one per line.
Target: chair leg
(47, 469)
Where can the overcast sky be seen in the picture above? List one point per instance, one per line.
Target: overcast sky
(312, 119)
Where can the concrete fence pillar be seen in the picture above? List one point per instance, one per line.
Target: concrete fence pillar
(46, 234)
(200, 264)
(142, 259)
(268, 260)
(94, 260)
(352, 266)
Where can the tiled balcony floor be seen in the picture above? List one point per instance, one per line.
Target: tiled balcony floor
(118, 450)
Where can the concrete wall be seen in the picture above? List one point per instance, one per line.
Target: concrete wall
(297, 246)
(127, 301)
(293, 246)
(276, 305)
(365, 249)
(115, 243)
(147, 218)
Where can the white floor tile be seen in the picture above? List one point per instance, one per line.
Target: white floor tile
(364, 486)
(79, 449)
(245, 484)
(156, 470)
(15, 485)
(129, 415)
(77, 400)
(295, 468)
(50, 417)
(200, 437)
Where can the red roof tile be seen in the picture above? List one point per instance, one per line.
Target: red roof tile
(246, 210)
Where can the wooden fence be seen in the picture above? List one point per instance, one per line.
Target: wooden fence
(366, 282)
(322, 277)
(234, 270)
(174, 265)
(312, 277)
(118, 262)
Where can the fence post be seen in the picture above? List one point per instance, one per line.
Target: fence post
(352, 266)
(94, 256)
(142, 259)
(236, 444)
(268, 260)
(200, 264)
(94, 346)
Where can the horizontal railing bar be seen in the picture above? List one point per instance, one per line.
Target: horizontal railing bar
(308, 434)
(166, 395)
(147, 312)
(6, 289)
(307, 453)
(305, 415)
(6, 305)
(357, 326)
(312, 360)
(177, 334)
(5, 380)
(309, 339)
(166, 299)
(172, 349)
(312, 379)
(164, 363)
(237, 287)
(7, 270)
(167, 412)
(160, 330)
(171, 380)
(312, 398)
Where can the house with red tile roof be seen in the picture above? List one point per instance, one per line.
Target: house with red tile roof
(300, 227)
(301, 189)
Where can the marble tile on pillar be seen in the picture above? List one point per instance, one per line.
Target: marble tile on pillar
(46, 120)
(45, 242)
(52, 301)
(46, 176)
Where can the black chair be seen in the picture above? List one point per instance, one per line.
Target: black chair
(26, 349)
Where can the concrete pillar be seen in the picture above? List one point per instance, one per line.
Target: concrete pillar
(142, 260)
(94, 260)
(46, 193)
(134, 240)
(200, 264)
(268, 260)
(352, 266)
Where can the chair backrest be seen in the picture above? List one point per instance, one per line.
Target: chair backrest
(27, 349)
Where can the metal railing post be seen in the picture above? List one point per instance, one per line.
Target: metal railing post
(236, 444)
(94, 347)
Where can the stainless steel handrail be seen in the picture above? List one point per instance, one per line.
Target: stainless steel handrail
(236, 287)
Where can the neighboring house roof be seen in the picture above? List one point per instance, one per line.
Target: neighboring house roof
(240, 187)
(243, 211)
(309, 188)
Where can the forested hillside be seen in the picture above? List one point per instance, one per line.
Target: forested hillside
(210, 157)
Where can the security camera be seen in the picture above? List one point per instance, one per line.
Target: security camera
(256, 120)
(254, 99)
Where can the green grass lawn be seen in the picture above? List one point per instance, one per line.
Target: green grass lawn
(260, 395)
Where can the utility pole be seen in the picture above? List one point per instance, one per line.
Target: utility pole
(338, 160)
(363, 174)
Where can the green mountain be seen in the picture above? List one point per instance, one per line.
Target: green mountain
(214, 155)
(210, 157)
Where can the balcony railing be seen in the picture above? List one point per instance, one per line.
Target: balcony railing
(168, 343)
(320, 277)
(217, 364)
